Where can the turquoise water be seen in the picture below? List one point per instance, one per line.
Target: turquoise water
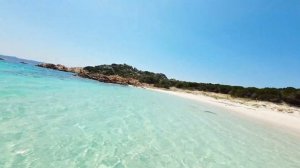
(53, 119)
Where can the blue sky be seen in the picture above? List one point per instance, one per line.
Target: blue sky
(249, 42)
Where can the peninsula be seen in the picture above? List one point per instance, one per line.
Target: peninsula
(127, 75)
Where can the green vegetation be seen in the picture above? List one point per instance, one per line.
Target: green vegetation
(128, 71)
(288, 95)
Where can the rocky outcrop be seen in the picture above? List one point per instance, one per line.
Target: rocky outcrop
(95, 76)
(61, 67)
(55, 67)
(76, 70)
(110, 79)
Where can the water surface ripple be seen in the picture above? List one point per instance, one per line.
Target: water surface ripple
(53, 119)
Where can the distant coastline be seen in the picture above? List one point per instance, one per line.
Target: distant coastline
(18, 60)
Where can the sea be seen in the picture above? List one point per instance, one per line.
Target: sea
(53, 119)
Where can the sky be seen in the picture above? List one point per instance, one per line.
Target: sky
(248, 43)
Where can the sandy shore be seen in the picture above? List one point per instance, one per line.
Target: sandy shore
(280, 115)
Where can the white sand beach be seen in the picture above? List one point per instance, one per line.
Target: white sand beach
(279, 115)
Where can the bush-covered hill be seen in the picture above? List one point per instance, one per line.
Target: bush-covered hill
(288, 95)
(128, 71)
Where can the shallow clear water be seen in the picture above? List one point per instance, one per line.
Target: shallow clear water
(53, 119)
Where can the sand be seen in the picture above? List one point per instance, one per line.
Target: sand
(280, 115)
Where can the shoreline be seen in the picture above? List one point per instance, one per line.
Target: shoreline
(277, 115)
